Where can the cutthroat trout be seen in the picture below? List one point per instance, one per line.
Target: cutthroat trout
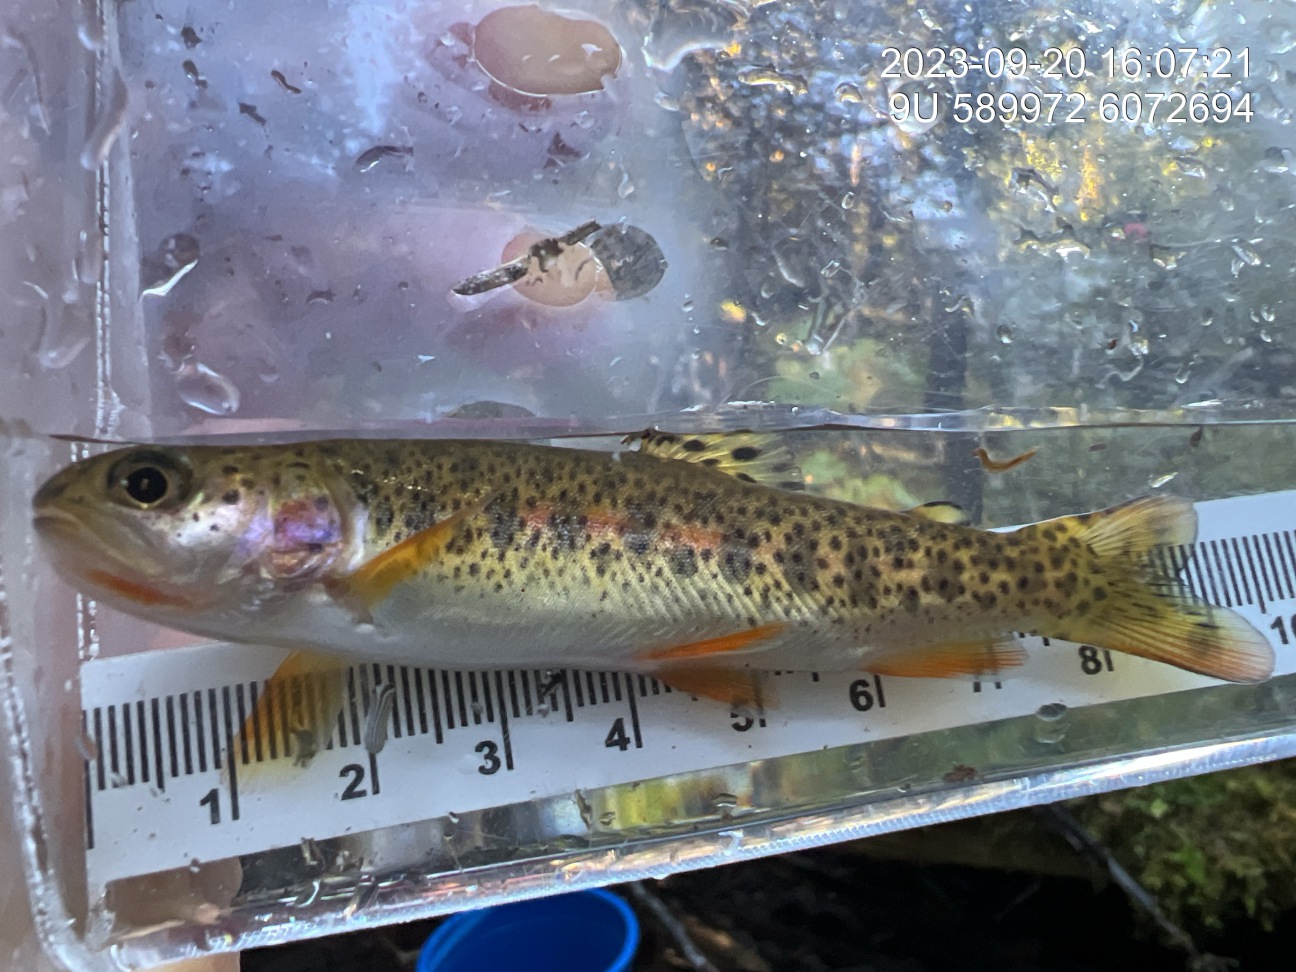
(676, 559)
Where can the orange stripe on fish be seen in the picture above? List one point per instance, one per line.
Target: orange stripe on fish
(135, 591)
(602, 523)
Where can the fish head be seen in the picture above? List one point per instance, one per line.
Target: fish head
(168, 533)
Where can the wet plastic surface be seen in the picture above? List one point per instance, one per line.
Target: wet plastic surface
(248, 221)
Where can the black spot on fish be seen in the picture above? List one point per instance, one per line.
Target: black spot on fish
(745, 453)
(231, 497)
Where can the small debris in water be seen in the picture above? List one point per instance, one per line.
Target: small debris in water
(191, 72)
(1001, 465)
(960, 774)
(539, 254)
(371, 157)
(375, 727)
(251, 112)
(283, 82)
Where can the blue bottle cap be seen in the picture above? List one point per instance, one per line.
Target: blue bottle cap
(585, 931)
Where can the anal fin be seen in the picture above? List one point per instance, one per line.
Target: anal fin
(977, 658)
(741, 689)
(293, 718)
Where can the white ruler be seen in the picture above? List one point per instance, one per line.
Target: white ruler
(159, 724)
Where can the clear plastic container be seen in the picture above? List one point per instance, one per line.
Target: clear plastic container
(250, 220)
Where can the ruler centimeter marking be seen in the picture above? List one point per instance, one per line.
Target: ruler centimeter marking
(169, 757)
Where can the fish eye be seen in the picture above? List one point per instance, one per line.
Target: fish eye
(148, 480)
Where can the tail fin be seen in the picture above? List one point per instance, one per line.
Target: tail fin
(1148, 611)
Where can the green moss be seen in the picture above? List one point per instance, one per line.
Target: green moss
(1212, 848)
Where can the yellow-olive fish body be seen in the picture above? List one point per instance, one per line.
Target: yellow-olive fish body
(661, 560)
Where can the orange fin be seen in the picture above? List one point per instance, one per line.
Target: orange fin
(952, 659)
(716, 646)
(293, 718)
(1147, 611)
(739, 688)
(372, 583)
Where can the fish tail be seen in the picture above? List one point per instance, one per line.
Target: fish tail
(1136, 603)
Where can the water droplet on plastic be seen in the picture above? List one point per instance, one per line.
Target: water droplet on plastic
(1184, 373)
(65, 330)
(626, 186)
(849, 93)
(848, 200)
(924, 100)
(166, 266)
(814, 344)
(452, 817)
(1050, 729)
(1247, 255)
(370, 158)
(813, 376)
(724, 802)
(1208, 318)
(830, 269)
(320, 297)
(789, 258)
(665, 102)
(687, 306)
(107, 126)
(1005, 334)
(1156, 482)
(267, 372)
(207, 390)
(792, 84)
(606, 819)
(1265, 336)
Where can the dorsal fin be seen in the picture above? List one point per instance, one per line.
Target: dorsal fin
(748, 456)
(942, 511)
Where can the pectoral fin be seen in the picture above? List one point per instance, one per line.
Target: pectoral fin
(293, 718)
(951, 659)
(722, 645)
(372, 583)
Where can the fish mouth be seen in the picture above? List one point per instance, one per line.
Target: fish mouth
(52, 523)
(69, 538)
